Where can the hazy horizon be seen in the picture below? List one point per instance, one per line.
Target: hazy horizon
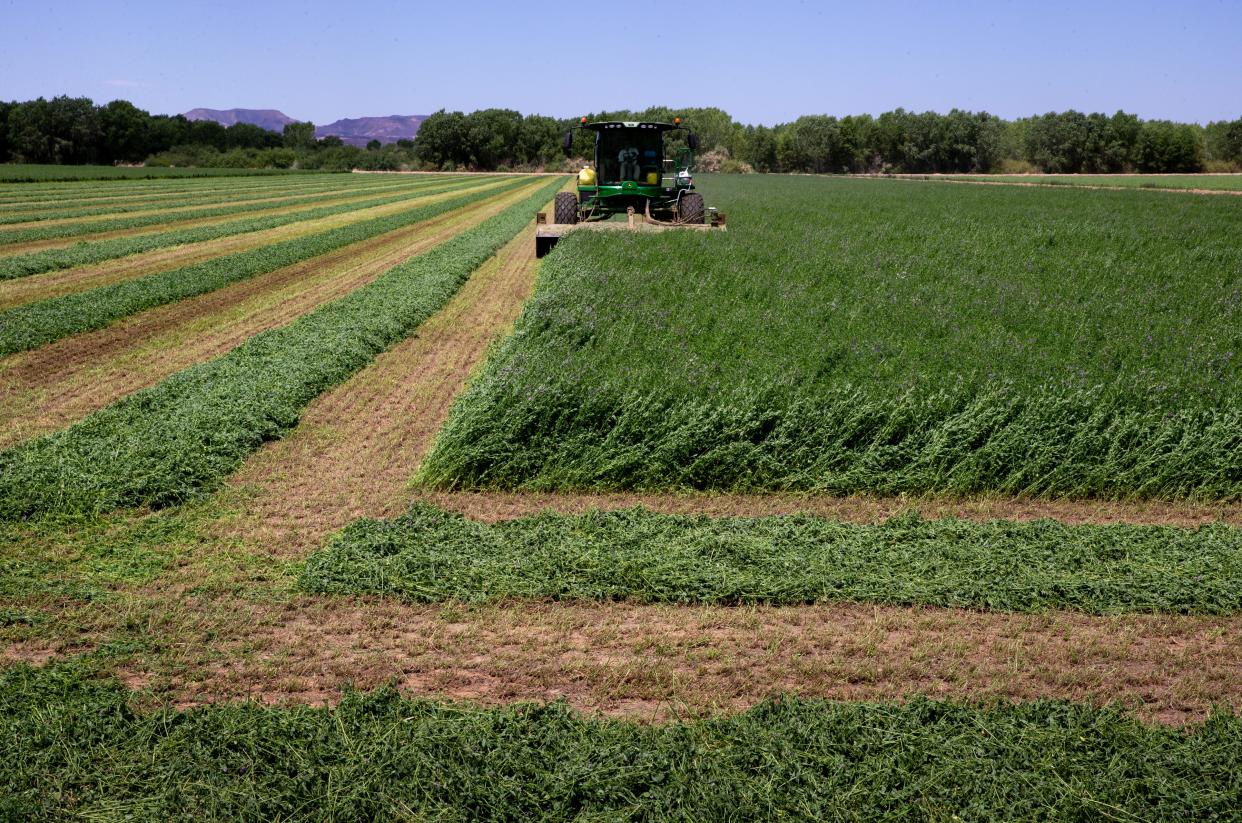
(762, 65)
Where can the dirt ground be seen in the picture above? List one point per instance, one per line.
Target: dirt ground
(24, 290)
(357, 446)
(655, 661)
(50, 387)
(226, 622)
(194, 222)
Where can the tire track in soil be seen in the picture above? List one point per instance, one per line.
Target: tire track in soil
(491, 506)
(356, 447)
(352, 455)
(328, 471)
(51, 387)
(656, 662)
(59, 282)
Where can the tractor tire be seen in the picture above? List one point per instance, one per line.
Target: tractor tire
(565, 208)
(691, 209)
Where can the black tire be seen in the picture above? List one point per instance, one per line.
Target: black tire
(565, 208)
(691, 209)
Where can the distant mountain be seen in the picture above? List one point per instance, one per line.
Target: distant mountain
(269, 119)
(359, 131)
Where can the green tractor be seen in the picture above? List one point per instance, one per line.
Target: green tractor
(633, 176)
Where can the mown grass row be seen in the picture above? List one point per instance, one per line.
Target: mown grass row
(78, 254)
(182, 436)
(430, 555)
(141, 221)
(77, 747)
(44, 321)
(111, 191)
(299, 191)
(870, 336)
(40, 173)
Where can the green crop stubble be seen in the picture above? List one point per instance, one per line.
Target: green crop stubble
(37, 262)
(34, 324)
(167, 443)
(78, 748)
(856, 335)
(134, 216)
(14, 196)
(37, 173)
(431, 555)
(1213, 182)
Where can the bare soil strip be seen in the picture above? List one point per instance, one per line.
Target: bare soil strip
(197, 222)
(651, 660)
(491, 506)
(94, 196)
(23, 290)
(656, 662)
(51, 387)
(126, 201)
(356, 447)
(352, 455)
(292, 196)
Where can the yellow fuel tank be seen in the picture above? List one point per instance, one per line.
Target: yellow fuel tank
(586, 177)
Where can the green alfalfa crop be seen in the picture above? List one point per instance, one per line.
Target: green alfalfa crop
(182, 436)
(79, 254)
(856, 335)
(87, 204)
(136, 219)
(94, 192)
(77, 747)
(431, 555)
(44, 321)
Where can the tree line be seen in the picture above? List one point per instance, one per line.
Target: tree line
(74, 130)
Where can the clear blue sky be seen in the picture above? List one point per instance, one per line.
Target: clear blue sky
(764, 62)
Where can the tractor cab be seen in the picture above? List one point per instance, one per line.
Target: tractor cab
(638, 172)
(636, 169)
(630, 153)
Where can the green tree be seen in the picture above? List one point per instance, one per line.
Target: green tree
(441, 140)
(1223, 141)
(1164, 146)
(759, 148)
(492, 136)
(164, 132)
(299, 135)
(6, 146)
(1056, 142)
(539, 140)
(60, 130)
(250, 136)
(124, 132)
